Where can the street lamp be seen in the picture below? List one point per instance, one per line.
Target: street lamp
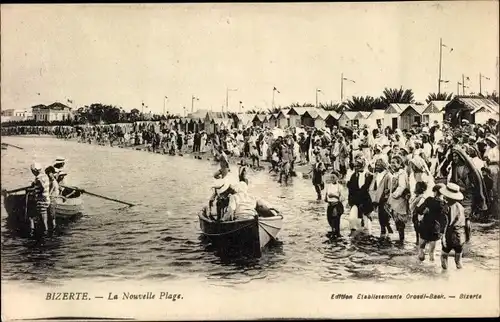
(342, 79)
(274, 90)
(192, 102)
(441, 45)
(480, 78)
(317, 91)
(164, 103)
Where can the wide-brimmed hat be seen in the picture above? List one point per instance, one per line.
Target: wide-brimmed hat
(59, 160)
(36, 166)
(492, 139)
(221, 186)
(452, 191)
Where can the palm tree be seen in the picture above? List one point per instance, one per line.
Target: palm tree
(394, 95)
(274, 110)
(493, 96)
(359, 103)
(331, 106)
(439, 97)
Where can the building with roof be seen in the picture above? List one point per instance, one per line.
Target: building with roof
(434, 112)
(373, 119)
(12, 115)
(259, 120)
(53, 112)
(283, 120)
(392, 115)
(475, 109)
(295, 114)
(411, 115)
(350, 119)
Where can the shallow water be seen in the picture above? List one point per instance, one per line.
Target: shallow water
(160, 238)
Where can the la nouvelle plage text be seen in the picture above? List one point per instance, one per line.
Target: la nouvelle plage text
(127, 296)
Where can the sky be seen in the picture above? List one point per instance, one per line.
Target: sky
(124, 55)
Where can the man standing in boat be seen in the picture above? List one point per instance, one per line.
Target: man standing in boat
(40, 191)
(224, 164)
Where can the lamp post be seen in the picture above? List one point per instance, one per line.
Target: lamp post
(464, 78)
(227, 97)
(441, 45)
(274, 90)
(192, 102)
(164, 103)
(342, 79)
(240, 106)
(317, 91)
(480, 78)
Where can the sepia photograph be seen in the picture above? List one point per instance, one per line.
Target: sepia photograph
(243, 161)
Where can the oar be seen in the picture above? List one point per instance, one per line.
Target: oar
(18, 147)
(100, 196)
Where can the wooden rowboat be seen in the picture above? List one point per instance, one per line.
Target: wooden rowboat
(66, 209)
(246, 236)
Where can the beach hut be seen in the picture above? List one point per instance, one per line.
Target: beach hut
(308, 118)
(243, 120)
(412, 114)
(475, 109)
(434, 112)
(272, 120)
(259, 120)
(374, 119)
(350, 119)
(392, 115)
(332, 119)
(282, 120)
(295, 114)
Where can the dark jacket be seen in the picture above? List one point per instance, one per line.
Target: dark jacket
(359, 196)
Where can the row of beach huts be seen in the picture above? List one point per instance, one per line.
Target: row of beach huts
(402, 116)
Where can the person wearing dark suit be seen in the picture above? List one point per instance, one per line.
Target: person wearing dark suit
(379, 193)
(358, 195)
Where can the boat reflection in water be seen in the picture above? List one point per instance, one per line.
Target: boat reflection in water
(241, 237)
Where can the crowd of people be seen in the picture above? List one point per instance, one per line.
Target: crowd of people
(437, 177)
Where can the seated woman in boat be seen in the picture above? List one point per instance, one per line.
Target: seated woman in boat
(241, 204)
(222, 190)
(66, 192)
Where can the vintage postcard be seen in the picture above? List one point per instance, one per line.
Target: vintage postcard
(250, 161)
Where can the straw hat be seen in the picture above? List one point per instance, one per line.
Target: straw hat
(59, 160)
(492, 139)
(36, 167)
(221, 186)
(452, 191)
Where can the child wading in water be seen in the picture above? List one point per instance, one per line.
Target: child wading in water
(334, 196)
(416, 201)
(242, 171)
(454, 234)
(431, 222)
